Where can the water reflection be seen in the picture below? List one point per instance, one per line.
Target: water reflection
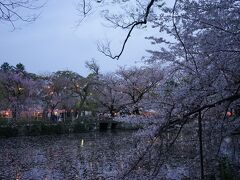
(78, 156)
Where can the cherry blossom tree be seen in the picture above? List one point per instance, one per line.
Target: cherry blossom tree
(201, 61)
(68, 90)
(109, 98)
(57, 91)
(137, 84)
(201, 83)
(206, 58)
(18, 89)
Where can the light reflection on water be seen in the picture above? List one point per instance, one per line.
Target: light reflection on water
(75, 156)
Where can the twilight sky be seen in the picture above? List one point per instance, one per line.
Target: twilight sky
(53, 42)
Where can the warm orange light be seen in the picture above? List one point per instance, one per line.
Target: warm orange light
(229, 114)
(20, 89)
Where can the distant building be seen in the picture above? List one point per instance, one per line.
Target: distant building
(6, 113)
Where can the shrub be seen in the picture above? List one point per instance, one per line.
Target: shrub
(8, 131)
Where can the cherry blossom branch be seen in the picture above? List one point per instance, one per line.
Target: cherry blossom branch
(179, 37)
(182, 121)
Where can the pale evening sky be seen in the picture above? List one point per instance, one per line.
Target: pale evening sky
(53, 42)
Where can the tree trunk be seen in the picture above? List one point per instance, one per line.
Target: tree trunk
(136, 111)
(45, 113)
(200, 144)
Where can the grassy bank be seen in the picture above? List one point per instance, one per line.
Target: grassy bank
(25, 127)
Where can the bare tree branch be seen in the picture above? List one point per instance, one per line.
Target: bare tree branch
(106, 49)
(14, 10)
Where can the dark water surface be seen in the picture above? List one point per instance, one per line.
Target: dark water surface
(75, 156)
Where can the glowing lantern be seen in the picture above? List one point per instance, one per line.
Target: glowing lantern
(229, 114)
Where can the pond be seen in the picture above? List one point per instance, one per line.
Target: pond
(75, 156)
